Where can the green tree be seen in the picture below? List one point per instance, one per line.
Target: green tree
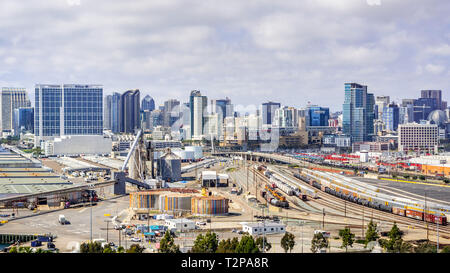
(167, 244)
(13, 250)
(120, 249)
(228, 246)
(91, 247)
(446, 249)
(135, 248)
(395, 243)
(318, 242)
(347, 238)
(108, 249)
(425, 247)
(371, 233)
(247, 245)
(263, 244)
(288, 242)
(205, 244)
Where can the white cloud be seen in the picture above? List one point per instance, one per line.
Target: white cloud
(434, 68)
(291, 51)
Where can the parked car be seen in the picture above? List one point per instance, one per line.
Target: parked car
(200, 224)
(135, 239)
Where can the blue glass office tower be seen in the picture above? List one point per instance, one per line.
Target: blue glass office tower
(130, 118)
(115, 112)
(358, 113)
(148, 103)
(423, 107)
(317, 116)
(23, 120)
(68, 109)
(391, 117)
(268, 111)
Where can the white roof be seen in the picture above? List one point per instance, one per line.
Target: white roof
(209, 175)
(182, 220)
(223, 176)
(261, 224)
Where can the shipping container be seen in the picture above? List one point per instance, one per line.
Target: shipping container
(414, 214)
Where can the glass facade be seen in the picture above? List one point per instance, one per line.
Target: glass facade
(318, 116)
(268, 111)
(358, 113)
(68, 110)
(115, 112)
(391, 117)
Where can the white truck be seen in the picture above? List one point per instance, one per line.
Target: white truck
(62, 220)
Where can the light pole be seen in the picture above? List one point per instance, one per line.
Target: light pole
(437, 235)
(107, 226)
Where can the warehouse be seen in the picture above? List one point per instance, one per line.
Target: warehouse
(180, 224)
(263, 228)
(212, 179)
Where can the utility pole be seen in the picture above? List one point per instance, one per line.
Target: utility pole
(425, 211)
(437, 235)
(362, 227)
(91, 216)
(323, 218)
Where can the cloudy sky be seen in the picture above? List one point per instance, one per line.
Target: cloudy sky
(251, 51)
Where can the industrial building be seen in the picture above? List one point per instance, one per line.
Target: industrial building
(180, 224)
(209, 205)
(169, 166)
(212, 179)
(263, 228)
(76, 145)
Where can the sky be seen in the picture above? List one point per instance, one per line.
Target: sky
(293, 52)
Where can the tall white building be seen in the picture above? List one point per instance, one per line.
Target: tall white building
(381, 102)
(418, 137)
(11, 98)
(198, 109)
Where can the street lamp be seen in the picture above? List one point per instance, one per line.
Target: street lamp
(107, 226)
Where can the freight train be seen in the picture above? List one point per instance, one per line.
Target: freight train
(299, 189)
(365, 196)
(274, 198)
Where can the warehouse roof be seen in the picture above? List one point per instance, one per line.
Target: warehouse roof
(209, 175)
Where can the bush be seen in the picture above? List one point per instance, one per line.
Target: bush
(406, 176)
(422, 177)
(414, 177)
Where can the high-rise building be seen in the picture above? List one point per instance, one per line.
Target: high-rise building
(130, 119)
(380, 103)
(171, 112)
(11, 98)
(23, 120)
(268, 112)
(358, 113)
(391, 117)
(418, 137)
(423, 107)
(67, 109)
(285, 117)
(434, 94)
(107, 112)
(222, 107)
(115, 115)
(317, 116)
(148, 103)
(198, 108)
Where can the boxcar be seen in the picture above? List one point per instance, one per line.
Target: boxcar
(414, 214)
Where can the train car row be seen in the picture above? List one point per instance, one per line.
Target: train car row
(336, 181)
(274, 198)
(370, 200)
(300, 189)
(286, 188)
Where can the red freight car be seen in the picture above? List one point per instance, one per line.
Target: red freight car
(437, 219)
(414, 214)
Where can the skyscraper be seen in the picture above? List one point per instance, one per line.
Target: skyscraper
(391, 115)
(148, 103)
(23, 120)
(317, 116)
(115, 116)
(67, 109)
(268, 112)
(223, 107)
(358, 114)
(198, 108)
(423, 107)
(171, 112)
(107, 112)
(380, 103)
(11, 99)
(130, 118)
(433, 94)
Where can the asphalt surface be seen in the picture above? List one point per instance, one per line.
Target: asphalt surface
(416, 191)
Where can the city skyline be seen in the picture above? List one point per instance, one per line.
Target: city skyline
(245, 51)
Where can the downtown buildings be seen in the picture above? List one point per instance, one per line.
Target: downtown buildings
(11, 99)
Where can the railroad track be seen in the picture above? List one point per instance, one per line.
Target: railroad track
(341, 205)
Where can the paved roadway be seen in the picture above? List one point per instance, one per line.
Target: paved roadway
(413, 190)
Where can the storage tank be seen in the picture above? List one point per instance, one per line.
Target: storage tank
(175, 202)
(209, 205)
(169, 166)
(145, 200)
